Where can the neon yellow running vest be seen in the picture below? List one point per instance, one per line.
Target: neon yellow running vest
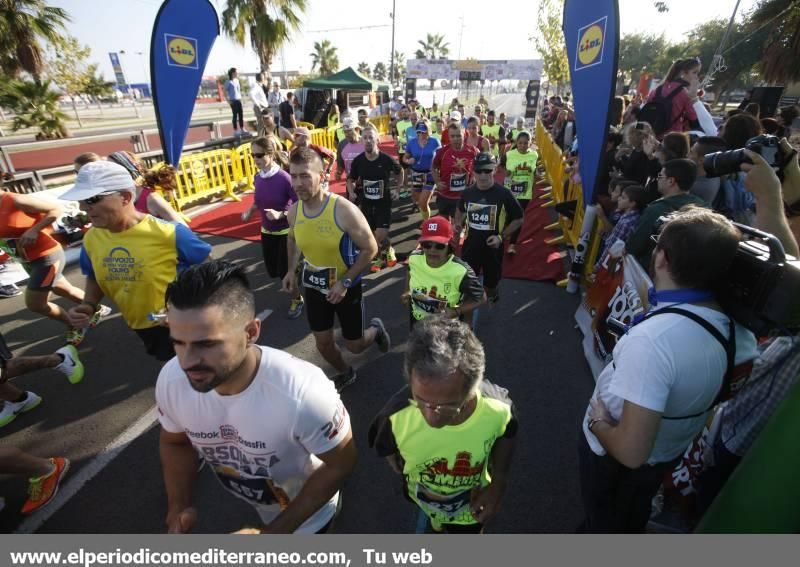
(402, 127)
(433, 289)
(493, 131)
(520, 168)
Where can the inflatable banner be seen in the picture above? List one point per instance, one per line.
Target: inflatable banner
(591, 32)
(183, 34)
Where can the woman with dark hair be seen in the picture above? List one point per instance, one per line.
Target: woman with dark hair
(684, 76)
(675, 145)
(771, 126)
(740, 128)
(617, 109)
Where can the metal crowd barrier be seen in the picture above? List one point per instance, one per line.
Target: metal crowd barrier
(564, 189)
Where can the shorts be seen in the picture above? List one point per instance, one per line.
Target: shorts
(43, 272)
(350, 312)
(485, 261)
(378, 216)
(447, 207)
(157, 342)
(276, 258)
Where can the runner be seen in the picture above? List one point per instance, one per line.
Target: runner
(302, 139)
(438, 281)
(438, 129)
(25, 234)
(474, 138)
(363, 119)
(495, 133)
(487, 206)
(400, 135)
(337, 245)
(514, 132)
(271, 426)
(479, 114)
(44, 475)
(13, 400)
(127, 255)
(419, 158)
(369, 182)
(273, 198)
(348, 148)
(519, 167)
(452, 172)
(455, 118)
(450, 433)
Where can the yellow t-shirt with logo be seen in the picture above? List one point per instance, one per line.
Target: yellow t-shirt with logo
(134, 267)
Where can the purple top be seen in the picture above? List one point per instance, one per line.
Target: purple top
(274, 192)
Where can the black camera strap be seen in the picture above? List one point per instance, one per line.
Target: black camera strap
(728, 344)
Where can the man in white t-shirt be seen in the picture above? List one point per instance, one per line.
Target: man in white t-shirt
(270, 426)
(652, 401)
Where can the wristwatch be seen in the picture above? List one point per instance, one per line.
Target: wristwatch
(347, 283)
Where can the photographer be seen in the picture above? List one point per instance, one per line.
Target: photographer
(651, 402)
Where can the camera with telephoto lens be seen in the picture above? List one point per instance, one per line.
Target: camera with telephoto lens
(760, 288)
(725, 163)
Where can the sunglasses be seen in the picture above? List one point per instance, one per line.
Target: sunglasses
(434, 245)
(96, 199)
(484, 171)
(258, 155)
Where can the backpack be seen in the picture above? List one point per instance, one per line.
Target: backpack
(658, 112)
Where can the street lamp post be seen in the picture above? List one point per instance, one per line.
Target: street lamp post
(391, 64)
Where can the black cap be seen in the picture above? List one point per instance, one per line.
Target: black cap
(484, 160)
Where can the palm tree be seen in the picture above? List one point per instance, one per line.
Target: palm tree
(324, 57)
(433, 47)
(267, 32)
(363, 68)
(779, 61)
(399, 67)
(379, 72)
(36, 105)
(23, 24)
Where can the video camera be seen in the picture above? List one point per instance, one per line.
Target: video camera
(727, 162)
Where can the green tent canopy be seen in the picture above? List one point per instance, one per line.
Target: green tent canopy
(347, 79)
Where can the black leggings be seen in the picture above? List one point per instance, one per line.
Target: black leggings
(238, 111)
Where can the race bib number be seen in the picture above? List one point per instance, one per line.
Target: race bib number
(518, 188)
(418, 178)
(458, 181)
(321, 279)
(258, 490)
(373, 190)
(427, 303)
(448, 505)
(481, 217)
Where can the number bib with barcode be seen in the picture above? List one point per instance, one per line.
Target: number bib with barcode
(258, 490)
(418, 178)
(320, 279)
(425, 304)
(481, 217)
(373, 190)
(517, 188)
(458, 181)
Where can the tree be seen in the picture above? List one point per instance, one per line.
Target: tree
(66, 67)
(325, 58)
(251, 18)
(35, 105)
(364, 69)
(97, 87)
(549, 42)
(380, 72)
(23, 25)
(641, 52)
(779, 61)
(399, 67)
(433, 47)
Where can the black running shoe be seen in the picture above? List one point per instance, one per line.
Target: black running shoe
(343, 380)
(382, 338)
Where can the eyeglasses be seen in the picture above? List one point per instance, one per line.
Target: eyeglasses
(484, 171)
(444, 410)
(96, 199)
(434, 245)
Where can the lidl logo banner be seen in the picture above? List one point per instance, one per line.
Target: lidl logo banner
(183, 34)
(591, 33)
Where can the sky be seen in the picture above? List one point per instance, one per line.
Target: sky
(362, 31)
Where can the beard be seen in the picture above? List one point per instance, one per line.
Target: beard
(205, 387)
(219, 375)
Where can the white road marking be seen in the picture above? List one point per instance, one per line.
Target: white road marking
(74, 483)
(264, 314)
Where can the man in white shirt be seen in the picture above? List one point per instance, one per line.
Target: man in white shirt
(274, 98)
(271, 427)
(668, 369)
(259, 100)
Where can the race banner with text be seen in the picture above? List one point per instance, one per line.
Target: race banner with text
(183, 34)
(591, 32)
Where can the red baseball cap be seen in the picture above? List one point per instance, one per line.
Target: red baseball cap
(436, 229)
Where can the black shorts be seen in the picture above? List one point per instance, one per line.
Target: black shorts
(349, 310)
(378, 215)
(42, 273)
(485, 261)
(276, 258)
(157, 342)
(447, 207)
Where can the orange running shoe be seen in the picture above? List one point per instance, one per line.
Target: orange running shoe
(41, 490)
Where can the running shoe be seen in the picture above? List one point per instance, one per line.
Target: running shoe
(71, 366)
(391, 257)
(296, 308)
(382, 338)
(10, 410)
(99, 316)
(10, 290)
(343, 380)
(405, 194)
(41, 490)
(377, 265)
(75, 336)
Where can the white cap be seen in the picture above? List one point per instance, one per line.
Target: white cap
(455, 115)
(98, 177)
(348, 124)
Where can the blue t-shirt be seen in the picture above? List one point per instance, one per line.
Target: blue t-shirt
(423, 157)
(233, 89)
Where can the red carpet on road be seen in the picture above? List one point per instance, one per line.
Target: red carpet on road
(535, 259)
